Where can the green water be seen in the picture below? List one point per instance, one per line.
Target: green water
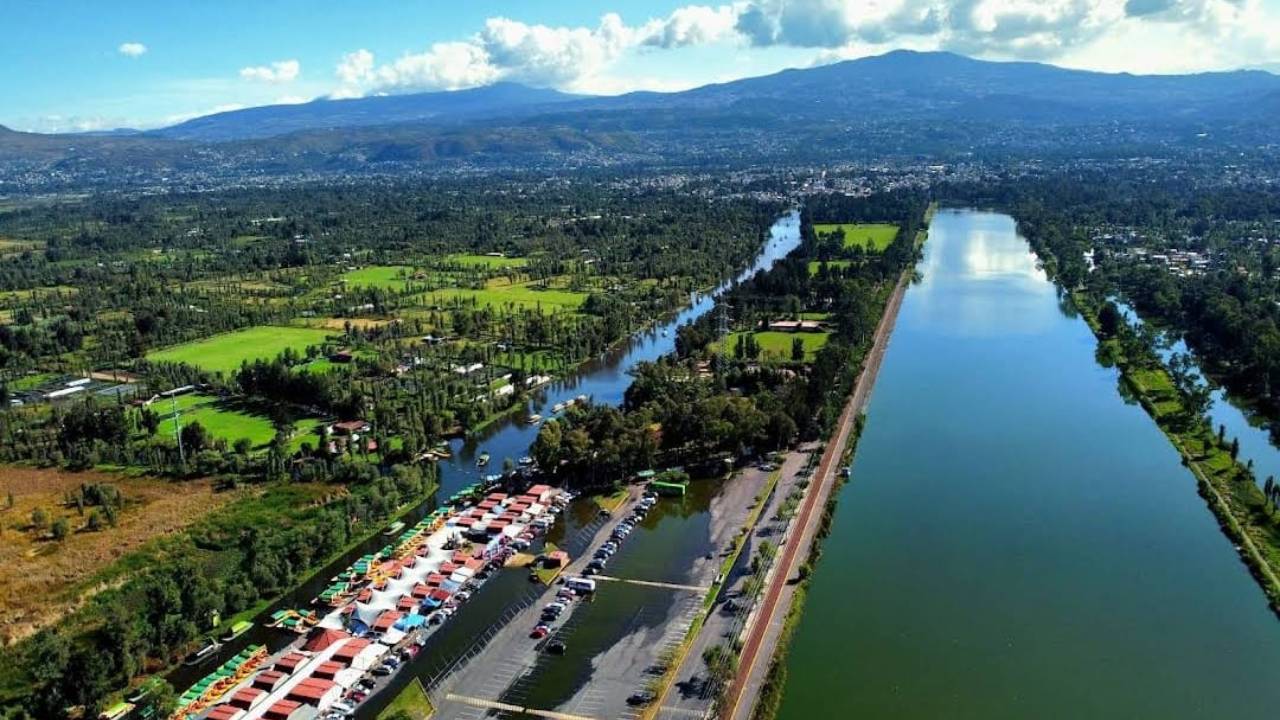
(1017, 541)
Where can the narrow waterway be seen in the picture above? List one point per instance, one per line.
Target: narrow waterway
(1016, 541)
(604, 380)
(1255, 437)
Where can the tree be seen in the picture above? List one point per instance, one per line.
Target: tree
(194, 437)
(797, 349)
(1110, 320)
(61, 528)
(39, 520)
(1235, 448)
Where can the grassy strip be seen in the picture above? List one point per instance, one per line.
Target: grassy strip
(662, 685)
(1234, 497)
(412, 702)
(612, 501)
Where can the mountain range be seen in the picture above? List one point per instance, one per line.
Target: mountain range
(900, 102)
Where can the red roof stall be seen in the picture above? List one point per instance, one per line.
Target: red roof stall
(289, 663)
(269, 680)
(441, 595)
(497, 496)
(225, 712)
(323, 639)
(348, 652)
(542, 492)
(245, 698)
(285, 710)
(421, 589)
(487, 505)
(317, 692)
(328, 670)
(386, 620)
(406, 603)
(447, 568)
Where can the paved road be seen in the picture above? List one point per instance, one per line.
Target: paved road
(691, 696)
(766, 627)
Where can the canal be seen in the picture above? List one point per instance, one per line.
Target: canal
(1016, 541)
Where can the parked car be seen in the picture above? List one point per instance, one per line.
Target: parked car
(343, 706)
(644, 697)
(556, 647)
(539, 632)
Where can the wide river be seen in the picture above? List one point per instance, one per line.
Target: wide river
(1016, 541)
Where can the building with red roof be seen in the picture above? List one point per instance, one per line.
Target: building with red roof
(269, 680)
(290, 663)
(316, 692)
(247, 697)
(285, 710)
(225, 712)
(349, 650)
(322, 638)
(386, 620)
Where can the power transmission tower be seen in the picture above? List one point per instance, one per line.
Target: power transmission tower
(177, 429)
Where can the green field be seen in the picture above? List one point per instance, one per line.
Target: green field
(223, 420)
(814, 265)
(411, 701)
(775, 346)
(487, 261)
(224, 353)
(386, 277)
(524, 295)
(870, 236)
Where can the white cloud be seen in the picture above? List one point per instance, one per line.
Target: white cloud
(132, 49)
(1099, 34)
(282, 71)
(571, 58)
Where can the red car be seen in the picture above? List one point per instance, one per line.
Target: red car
(539, 632)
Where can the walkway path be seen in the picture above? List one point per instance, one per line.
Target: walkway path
(765, 629)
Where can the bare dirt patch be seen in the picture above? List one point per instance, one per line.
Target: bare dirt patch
(42, 579)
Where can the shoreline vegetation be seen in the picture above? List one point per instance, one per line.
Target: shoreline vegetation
(768, 699)
(1248, 518)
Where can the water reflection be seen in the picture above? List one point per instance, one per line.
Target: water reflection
(993, 282)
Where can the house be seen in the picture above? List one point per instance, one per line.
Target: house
(796, 325)
(556, 559)
(349, 427)
(342, 356)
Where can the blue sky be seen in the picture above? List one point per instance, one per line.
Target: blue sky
(76, 65)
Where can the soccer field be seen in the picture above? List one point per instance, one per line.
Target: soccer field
(870, 236)
(224, 353)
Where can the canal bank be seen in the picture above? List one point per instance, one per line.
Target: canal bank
(1016, 541)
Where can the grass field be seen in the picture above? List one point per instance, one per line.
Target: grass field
(411, 701)
(870, 236)
(387, 277)
(487, 261)
(521, 294)
(41, 580)
(776, 346)
(223, 420)
(224, 353)
(815, 265)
